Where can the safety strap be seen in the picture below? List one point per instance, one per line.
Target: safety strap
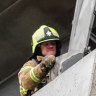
(35, 62)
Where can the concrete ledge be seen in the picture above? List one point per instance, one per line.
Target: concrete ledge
(75, 81)
(65, 61)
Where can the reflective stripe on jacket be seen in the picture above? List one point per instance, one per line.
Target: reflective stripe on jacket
(30, 79)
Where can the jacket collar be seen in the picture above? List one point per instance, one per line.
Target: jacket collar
(39, 58)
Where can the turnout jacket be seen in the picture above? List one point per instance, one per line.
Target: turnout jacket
(31, 77)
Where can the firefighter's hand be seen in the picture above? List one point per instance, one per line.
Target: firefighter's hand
(47, 62)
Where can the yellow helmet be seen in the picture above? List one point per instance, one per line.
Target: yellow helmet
(43, 34)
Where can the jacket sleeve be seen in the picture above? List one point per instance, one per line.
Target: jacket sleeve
(29, 77)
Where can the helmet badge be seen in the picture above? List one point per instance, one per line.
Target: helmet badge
(48, 33)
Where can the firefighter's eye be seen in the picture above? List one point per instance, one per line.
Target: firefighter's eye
(45, 44)
(53, 43)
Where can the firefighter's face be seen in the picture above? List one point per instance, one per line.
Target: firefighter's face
(48, 48)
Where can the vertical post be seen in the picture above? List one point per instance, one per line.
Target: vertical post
(82, 23)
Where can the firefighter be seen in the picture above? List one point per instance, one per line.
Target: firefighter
(35, 73)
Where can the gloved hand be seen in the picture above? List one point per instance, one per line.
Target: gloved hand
(47, 63)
